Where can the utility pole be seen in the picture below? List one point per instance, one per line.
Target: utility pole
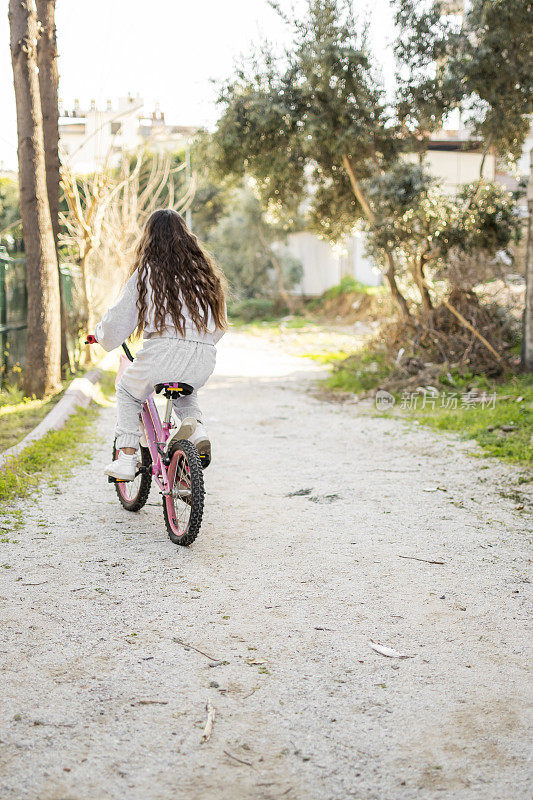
(527, 340)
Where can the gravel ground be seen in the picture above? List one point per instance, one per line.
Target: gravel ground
(112, 639)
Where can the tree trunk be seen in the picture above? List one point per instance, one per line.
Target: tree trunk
(390, 273)
(358, 192)
(484, 156)
(420, 280)
(43, 370)
(288, 299)
(527, 338)
(397, 296)
(48, 88)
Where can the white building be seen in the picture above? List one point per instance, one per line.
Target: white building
(324, 264)
(453, 158)
(89, 137)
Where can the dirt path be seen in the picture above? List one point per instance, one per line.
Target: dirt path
(101, 698)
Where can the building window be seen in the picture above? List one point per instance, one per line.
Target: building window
(115, 128)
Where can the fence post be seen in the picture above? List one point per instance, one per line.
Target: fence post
(3, 319)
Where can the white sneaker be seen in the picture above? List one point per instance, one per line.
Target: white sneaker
(123, 468)
(200, 439)
(185, 431)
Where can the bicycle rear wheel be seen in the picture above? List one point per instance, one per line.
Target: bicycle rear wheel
(183, 507)
(134, 494)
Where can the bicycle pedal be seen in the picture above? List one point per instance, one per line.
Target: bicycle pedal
(205, 460)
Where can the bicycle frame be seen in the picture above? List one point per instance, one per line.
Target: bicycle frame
(156, 433)
(173, 463)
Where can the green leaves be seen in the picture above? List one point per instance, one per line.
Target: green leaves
(494, 64)
(483, 220)
(288, 123)
(482, 66)
(242, 242)
(314, 131)
(426, 89)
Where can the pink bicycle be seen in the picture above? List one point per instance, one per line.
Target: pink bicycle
(173, 463)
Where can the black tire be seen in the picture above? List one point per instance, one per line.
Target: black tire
(194, 503)
(142, 489)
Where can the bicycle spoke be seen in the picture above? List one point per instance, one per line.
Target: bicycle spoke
(183, 505)
(130, 489)
(133, 494)
(181, 492)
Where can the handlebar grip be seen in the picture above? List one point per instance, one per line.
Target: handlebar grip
(127, 351)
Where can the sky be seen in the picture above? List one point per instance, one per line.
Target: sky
(166, 51)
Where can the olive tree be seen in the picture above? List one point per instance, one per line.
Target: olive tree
(244, 243)
(313, 126)
(482, 66)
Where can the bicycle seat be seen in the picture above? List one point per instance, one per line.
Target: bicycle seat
(174, 389)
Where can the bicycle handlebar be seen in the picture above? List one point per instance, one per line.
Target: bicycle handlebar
(127, 351)
(93, 340)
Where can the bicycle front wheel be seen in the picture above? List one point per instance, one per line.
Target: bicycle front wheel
(183, 506)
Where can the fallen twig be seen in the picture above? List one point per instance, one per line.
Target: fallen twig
(191, 647)
(55, 724)
(380, 469)
(425, 560)
(208, 730)
(34, 584)
(152, 702)
(240, 760)
(386, 651)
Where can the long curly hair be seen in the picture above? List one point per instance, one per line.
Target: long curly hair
(181, 273)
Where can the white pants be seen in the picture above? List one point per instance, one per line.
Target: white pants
(161, 360)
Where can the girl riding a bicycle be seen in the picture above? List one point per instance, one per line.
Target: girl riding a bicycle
(175, 297)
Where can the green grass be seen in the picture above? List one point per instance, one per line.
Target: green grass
(19, 415)
(365, 370)
(263, 311)
(484, 424)
(328, 357)
(22, 416)
(255, 325)
(52, 457)
(254, 308)
(347, 285)
(47, 459)
(360, 372)
(275, 325)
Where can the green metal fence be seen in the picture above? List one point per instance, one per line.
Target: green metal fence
(13, 313)
(14, 310)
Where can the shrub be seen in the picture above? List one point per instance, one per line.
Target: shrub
(253, 308)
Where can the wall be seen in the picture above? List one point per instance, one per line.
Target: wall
(455, 167)
(325, 264)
